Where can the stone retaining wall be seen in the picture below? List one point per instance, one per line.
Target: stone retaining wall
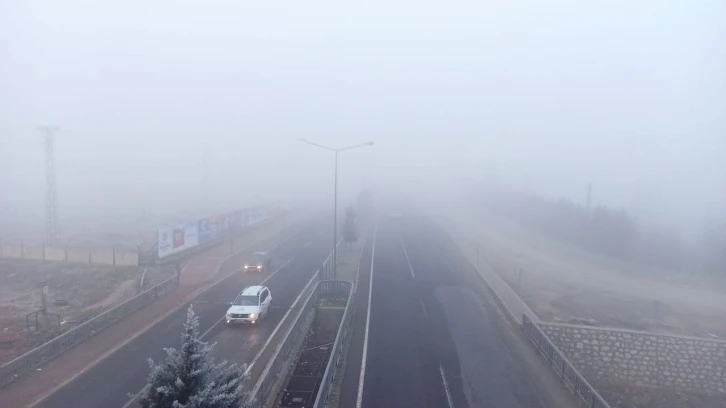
(643, 359)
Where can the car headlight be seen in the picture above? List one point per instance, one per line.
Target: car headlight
(247, 266)
(229, 314)
(252, 315)
(259, 266)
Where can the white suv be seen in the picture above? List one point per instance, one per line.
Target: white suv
(251, 305)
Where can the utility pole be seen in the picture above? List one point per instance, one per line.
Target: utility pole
(335, 196)
(52, 228)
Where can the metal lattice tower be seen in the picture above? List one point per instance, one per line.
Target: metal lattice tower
(52, 228)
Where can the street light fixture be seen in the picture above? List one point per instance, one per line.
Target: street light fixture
(335, 193)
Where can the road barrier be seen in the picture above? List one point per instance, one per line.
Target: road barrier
(40, 355)
(276, 367)
(569, 375)
(331, 370)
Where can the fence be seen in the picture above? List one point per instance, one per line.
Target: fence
(266, 384)
(326, 271)
(572, 378)
(29, 361)
(331, 370)
(106, 256)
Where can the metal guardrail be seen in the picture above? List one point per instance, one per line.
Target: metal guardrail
(262, 392)
(569, 375)
(326, 272)
(331, 370)
(46, 352)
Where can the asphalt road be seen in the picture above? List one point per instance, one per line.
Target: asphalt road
(433, 341)
(124, 373)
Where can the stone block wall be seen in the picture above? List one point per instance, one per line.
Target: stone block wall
(643, 359)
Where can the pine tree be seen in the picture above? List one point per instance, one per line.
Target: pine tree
(350, 230)
(189, 378)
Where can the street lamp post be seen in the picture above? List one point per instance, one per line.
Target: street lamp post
(335, 194)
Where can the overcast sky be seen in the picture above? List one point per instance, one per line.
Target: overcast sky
(630, 96)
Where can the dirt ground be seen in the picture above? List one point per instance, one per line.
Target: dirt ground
(82, 291)
(568, 285)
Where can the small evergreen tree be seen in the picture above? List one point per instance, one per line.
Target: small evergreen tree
(189, 378)
(350, 230)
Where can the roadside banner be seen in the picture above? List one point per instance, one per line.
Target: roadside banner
(181, 237)
(256, 215)
(228, 221)
(244, 217)
(205, 230)
(178, 238)
(164, 241)
(238, 218)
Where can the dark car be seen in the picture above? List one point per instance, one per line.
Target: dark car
(259, 262)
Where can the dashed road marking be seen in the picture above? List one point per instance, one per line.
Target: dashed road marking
(449, 400)
(410, 268)
(423, 307)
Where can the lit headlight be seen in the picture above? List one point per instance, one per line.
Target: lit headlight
(259, 266)
(247, 266)
(252, 315)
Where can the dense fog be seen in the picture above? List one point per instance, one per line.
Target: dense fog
(184, 106)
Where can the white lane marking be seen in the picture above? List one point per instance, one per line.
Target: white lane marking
(410, 268)
(308, 244)
(449, 400)
(361, 379)
(269, 339)
(456, 275)
(217, 323)
(423, 307)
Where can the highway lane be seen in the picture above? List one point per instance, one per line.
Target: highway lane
(110, 383)
(402, 368)
(433, 340)
(239, 343)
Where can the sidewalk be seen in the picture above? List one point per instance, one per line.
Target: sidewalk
(199, 274)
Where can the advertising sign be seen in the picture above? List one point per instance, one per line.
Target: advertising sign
(244, 219)
(205, 232)
(171, 240)
(256, 215)
(164, 241)
(177, 238)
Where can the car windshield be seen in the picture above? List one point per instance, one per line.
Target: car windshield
(246, 300)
